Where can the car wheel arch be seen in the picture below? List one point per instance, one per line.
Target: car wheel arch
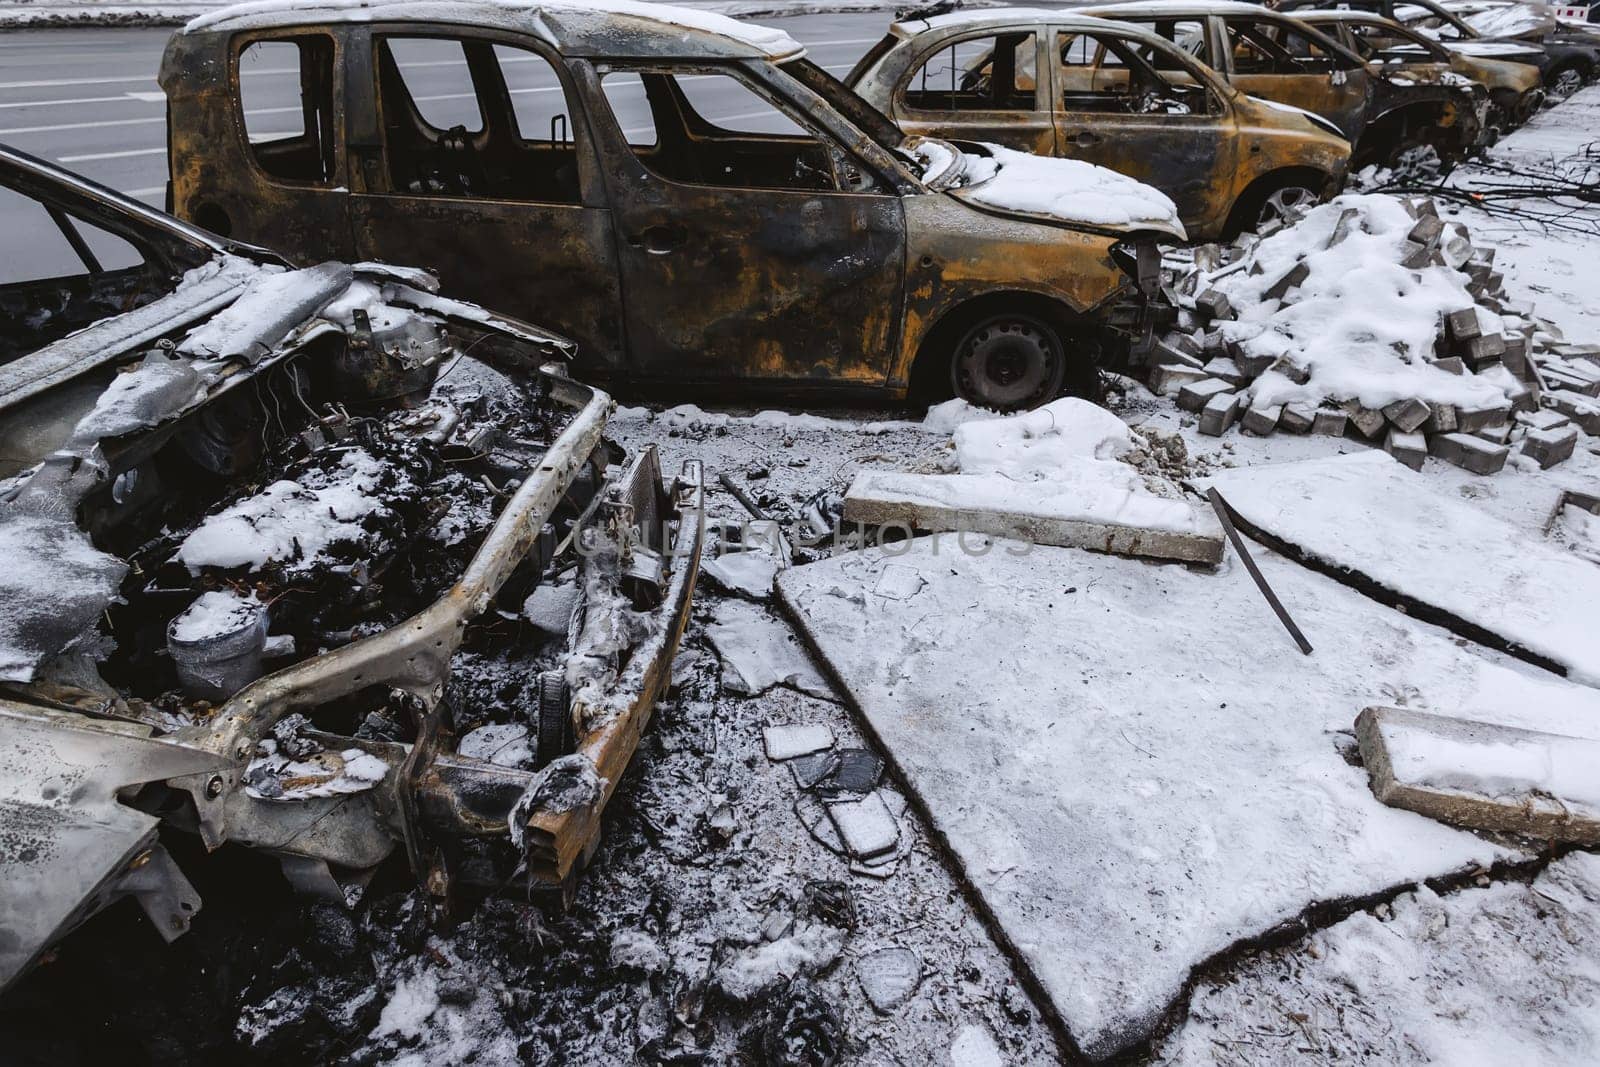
(1248, 203)
(926, 376)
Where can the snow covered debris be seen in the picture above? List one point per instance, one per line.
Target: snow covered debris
(565, 784)
(157, 389)
(47, 553)
(787, 742)
(503, 744)
(1069, 190)
(749, 572)
(758, 652)
(752, 971)
(270, 306)
(216, 614)
(276, 776)
(1484, 776)
(290, 522)
(1363, 513)
(1051, 476)
(1506, 973)
(1137, 798)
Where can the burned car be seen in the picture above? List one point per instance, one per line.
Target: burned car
(1515, 91)
(1111, 94)
(312, 561)
(686, 196)
(1567, 57)
(1277, 58)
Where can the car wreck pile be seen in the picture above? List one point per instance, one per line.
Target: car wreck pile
(333, 568)
(1374, 316)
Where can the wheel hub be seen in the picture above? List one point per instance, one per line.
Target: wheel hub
(1007, 364)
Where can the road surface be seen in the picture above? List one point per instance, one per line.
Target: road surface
(88, 99)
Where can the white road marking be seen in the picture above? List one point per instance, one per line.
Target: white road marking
(91, 156)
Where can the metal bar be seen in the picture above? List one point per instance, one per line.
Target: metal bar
(1224, 515)
(742, 497)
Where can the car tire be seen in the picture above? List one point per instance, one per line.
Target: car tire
(1010, 361)
(1563, 82)
(553, 718)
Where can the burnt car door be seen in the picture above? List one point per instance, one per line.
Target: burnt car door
(753, 244)
(251, 159)
(1137, 109)
(984, 87)
(475, 164)
(1290, 64)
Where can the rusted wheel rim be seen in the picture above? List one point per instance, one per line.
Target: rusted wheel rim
(1287, 204)
(1008, 362)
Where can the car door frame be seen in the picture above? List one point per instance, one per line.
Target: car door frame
(1358, 115)
(999, 126)
(583, 234)
(642, 200)
(1219, 172)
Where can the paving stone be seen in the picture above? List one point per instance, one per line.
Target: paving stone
(1227, 370)
(1220, 413)
(1293, 278)
(1329, 423)
(1409, 448)
(1544, 419)
(1214, 304)
(1498, 434)
(1471, 420)
(1368, 421)
(1262, 421)
(1429, 231)
(1168, 378)
(1442, 419)
(1451, 364)
(1291, 370)
(1549, 447)
(1196, 395)
(1297, 418)
(1163, 353)
(1468, 452)
(1407, 415)
(1463, 325)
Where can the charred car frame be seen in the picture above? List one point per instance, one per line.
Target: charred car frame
(312, 561)
(678, 252)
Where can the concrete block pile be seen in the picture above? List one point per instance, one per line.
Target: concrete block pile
(1551, 398)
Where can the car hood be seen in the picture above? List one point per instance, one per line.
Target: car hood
(1042, 188)
(1509, 51)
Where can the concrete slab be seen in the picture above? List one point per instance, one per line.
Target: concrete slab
(1132, 764)
(1365, 518)
(1483, 776)
(1102, 517)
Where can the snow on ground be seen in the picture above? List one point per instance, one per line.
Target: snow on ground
(1497, 974)
(1134, 765)
(1372, 515)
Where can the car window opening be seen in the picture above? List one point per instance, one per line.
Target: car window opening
(995, 73)
(306, 153)
(1109, 75)
(472, 118)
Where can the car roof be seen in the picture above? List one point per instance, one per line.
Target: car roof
(984, 18)
(1193, 8)
(1340, 14)
(619, 29)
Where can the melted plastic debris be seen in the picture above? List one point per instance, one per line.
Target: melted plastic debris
(45, 553)
(216, 614)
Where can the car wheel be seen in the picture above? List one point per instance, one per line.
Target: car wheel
(1565, 82)
(1286, 204)
(1009, 362)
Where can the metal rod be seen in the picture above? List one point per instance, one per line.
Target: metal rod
(742, 497)
(1224, 515)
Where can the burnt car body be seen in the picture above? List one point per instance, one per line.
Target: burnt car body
(1515, 92)
(677, 251)
(281, 547)
(1274, 57)
(1567, 57)
(1110, 94)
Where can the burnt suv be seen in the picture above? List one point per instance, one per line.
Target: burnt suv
(686, 196)
(311, 561)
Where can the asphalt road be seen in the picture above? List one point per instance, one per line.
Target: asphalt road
(88, 99)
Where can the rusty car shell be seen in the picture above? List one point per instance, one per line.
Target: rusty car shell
(1514, 89)
(92, 776)
(1216, 162)
(1379, 115)
(682, 285)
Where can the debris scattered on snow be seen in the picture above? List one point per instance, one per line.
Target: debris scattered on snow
(787, 742)
(759, 652)
(752, 971)
(888, 977)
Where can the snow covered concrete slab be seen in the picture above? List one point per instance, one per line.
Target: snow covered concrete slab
(1484, 776)
(1367, 516)
(1076, 512)
(1132, 764)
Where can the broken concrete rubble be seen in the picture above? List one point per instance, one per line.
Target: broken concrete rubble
(1482, 775)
